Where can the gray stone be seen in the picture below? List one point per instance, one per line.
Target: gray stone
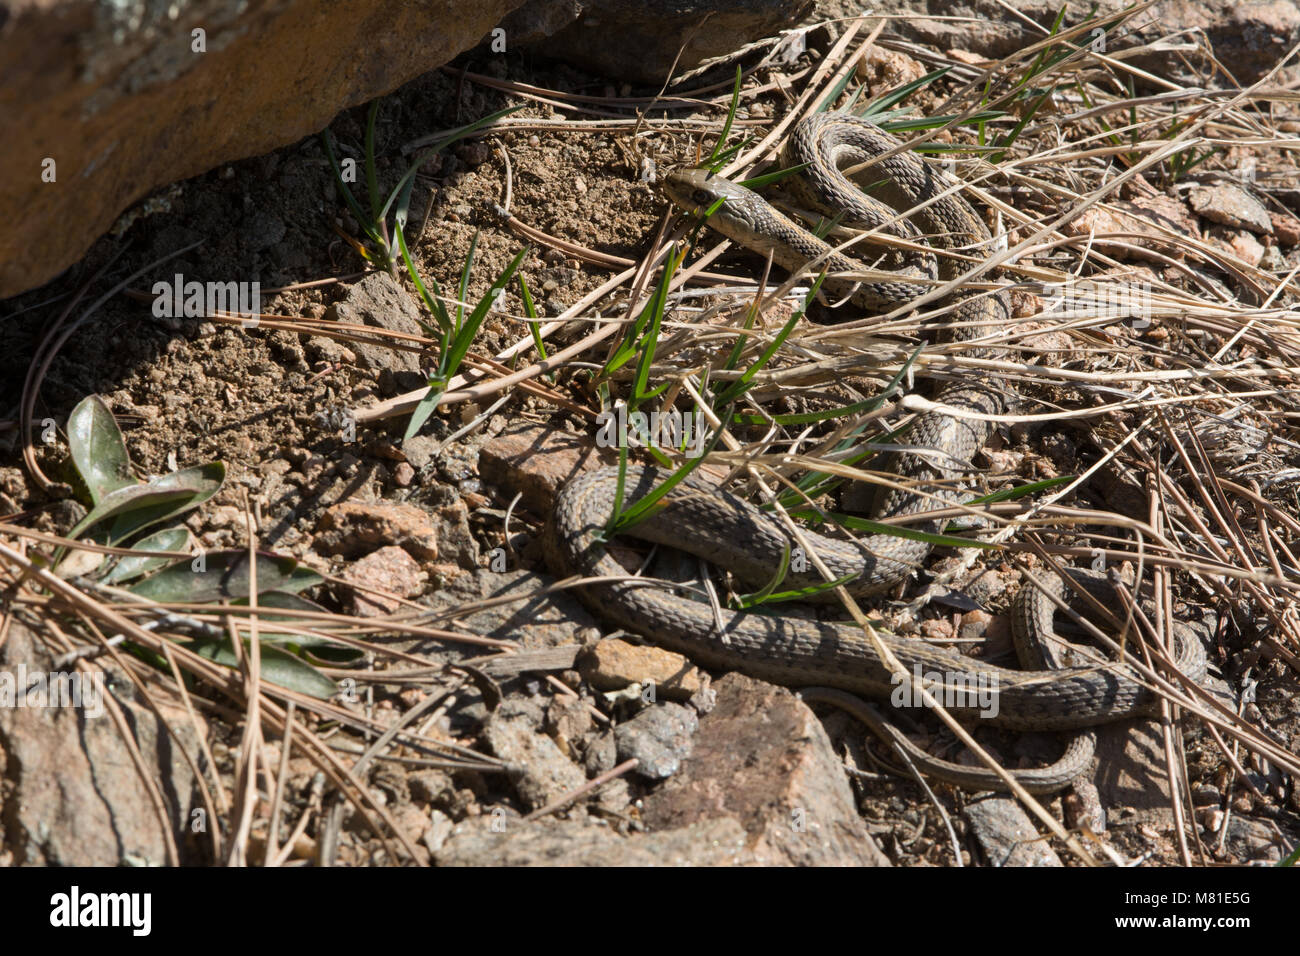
(379, 301)
(1005, 833)
(542, 774)
(659, 738)
(1230, 205)
(72, 795)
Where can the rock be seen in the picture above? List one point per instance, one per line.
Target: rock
(659, 738)
(440, 828)
(389, 569)
(533, 620)
(116, 96)
(1229, 205)
(1083, 809)
(1131, 765)
(763, 758)
(1286, 228)
(613, 664)
(450, 521)
(1240, 243)
(537, 461)
(353, 528)
(717, 842)
(1005, 833)
(1249, 840)
(541, 773)
(1152, 218)
(72, 795)
(568, 719)
(379, 300)
(602, 754)
(430, 786)
(638, 40)
(886, 70)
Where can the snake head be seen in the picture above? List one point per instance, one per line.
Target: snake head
(696, 190)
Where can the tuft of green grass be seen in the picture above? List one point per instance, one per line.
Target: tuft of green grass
(454, 335)
(373, 218)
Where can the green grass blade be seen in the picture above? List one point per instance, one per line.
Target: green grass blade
(462, 291)
(1020, 491)
(651, 339)
(431, 303)
(731, 117)
(801, 594)
(423, 410)
(620, 489)
(362, 217)
(834, 94)
(866, 525)
(761, 595)
(530, 312)
(442, 144)
(907, 89)
(639, 511)
(767, 179)
(465, 333)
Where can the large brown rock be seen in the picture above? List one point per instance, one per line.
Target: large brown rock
(122, 105)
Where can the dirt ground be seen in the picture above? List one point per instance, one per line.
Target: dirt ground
(191, 391)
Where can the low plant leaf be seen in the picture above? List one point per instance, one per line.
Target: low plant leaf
(132, 566)
(278, 667)
(98, 450)
(223, 576)
(136, 507)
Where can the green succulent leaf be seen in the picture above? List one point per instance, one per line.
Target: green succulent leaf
(138, 506)
(133, 566)
(223, 576)
(98, 449)
(278, 667)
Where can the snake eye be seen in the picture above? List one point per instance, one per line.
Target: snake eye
(703, 197)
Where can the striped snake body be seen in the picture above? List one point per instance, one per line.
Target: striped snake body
(700, 518)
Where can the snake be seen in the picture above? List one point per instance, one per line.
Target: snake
(829, 660)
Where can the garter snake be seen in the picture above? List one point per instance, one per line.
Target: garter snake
(722, 528)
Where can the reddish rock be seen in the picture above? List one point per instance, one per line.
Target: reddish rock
(1286, 228)
(614, 664)
(762, 757)
(118, 98)
(1145, 223)
(352, 528)
(391, 570)
(538, 460)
